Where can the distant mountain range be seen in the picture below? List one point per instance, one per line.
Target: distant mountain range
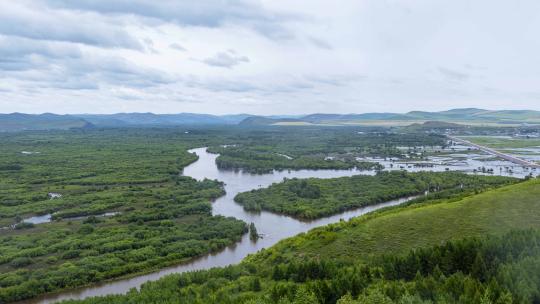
(464, 116)
(150, 119)
(48, 121)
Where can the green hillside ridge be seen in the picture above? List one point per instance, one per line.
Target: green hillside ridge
(397, 230)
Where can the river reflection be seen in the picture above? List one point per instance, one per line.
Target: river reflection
(273, 227)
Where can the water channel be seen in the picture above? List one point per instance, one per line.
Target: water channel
(273, 227)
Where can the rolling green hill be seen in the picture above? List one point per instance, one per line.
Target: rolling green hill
(398, 230)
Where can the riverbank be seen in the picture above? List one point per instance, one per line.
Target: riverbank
(274, 227)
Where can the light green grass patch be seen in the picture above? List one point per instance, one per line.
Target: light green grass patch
(398, 230)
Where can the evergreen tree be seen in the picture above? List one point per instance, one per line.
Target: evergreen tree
(253, 235)
(305, 296)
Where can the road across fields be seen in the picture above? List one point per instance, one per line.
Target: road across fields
(505, 156)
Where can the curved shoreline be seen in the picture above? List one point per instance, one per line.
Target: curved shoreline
(274, 227)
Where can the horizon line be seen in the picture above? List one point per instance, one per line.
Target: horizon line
(266, 115)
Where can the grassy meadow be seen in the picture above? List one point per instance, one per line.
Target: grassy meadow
(503, 142)
(400, 229)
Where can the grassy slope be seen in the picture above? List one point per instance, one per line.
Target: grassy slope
(400, 229)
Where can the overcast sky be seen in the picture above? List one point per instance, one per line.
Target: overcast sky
(268, 57)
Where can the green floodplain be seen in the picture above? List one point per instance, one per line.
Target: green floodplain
(126, 209)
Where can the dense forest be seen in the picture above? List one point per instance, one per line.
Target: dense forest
(236, 158)
(119, 204)
(474, 270)
(93, 169)
(490, 263)
(316, 148)
(158, 217)
(314, 198)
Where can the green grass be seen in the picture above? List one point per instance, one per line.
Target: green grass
(400, 229)
(503, 143)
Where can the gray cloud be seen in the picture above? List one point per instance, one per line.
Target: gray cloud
(70, 84)
(334, 80)
(20, 47)
(117, 71)
(220, 84)
(226, 59)
(453, 75)
(20, 54)
(209, 13)
(41, 23)
(149, 43)
(231, 86)
(64, 66)
(177, 47)
(320, 43)
(475, 67)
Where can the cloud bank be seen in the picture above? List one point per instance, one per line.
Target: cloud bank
(267, 57)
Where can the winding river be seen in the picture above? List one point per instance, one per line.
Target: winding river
(273, 227)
